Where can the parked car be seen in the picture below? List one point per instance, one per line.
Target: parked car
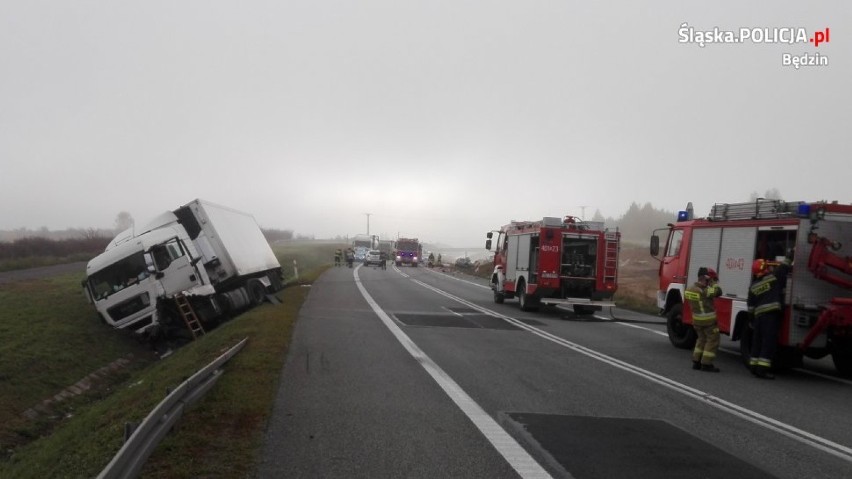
(373, 256)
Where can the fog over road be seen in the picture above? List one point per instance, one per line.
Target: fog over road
(413, 373)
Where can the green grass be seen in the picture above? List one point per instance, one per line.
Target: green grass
(308, 255)
(54, 341)
(51, 340)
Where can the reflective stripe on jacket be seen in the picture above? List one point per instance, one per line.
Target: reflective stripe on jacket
(700, 300)
(766, 294)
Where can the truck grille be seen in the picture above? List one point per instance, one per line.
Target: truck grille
(129, 306)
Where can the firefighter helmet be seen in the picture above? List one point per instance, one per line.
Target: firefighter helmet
(711, 273)
(759, 267)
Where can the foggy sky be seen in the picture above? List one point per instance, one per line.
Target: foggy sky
(442, 119)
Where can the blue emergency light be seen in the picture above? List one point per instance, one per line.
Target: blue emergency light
(683, 215)
(804, 210)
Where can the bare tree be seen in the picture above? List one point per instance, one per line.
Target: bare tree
(123, 221)
(771, 194)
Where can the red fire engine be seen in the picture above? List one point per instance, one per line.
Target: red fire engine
(556, 261)
(818, 303)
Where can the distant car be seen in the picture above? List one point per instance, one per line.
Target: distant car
(463, 262)
(373, 256)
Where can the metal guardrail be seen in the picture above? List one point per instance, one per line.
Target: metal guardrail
(132, 456)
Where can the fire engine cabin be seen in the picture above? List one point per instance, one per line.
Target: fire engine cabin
(818, 297)
(555, 261)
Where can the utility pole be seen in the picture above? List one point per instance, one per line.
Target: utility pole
(368, 223)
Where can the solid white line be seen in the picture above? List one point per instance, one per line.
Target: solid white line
(833, 448)
(514, 454)
(459, 279)
(642, 328)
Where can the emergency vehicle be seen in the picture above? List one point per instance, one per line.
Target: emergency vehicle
(408, 251)
(816, 236)
(556, 261)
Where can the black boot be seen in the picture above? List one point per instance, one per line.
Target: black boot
(709, 368)
(763, 373)
(696, 365)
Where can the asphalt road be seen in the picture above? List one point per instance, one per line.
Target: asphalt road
(43, 272)
(413, 373)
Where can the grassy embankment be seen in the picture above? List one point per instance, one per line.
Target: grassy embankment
(58, 421)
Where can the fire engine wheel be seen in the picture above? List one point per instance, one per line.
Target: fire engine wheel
(681, 335)
(525, 301)
(499, 298)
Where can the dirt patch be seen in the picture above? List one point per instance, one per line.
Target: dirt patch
(638, 273)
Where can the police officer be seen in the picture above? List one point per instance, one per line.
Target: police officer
(700, 298)
(766, 304)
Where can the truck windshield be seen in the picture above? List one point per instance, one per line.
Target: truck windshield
(406, 246)
(118, 276)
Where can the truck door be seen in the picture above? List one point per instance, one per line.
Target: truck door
(175, 271)
(670, 265)
(512, 258)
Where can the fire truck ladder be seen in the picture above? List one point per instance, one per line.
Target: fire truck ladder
(188, 315)
(753, 210)
(611, 257)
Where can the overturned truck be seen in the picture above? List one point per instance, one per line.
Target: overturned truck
(200, 261)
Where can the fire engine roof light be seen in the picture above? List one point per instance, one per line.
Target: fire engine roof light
(804, 210)
(682, 215)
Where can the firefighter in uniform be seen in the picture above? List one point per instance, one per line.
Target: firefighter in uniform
(700, 298)
(766, 304)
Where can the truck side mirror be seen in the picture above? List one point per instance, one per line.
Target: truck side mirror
(149, 263)
(655, 245)
(488, 244)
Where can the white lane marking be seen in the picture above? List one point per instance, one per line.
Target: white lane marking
(825, 445)
(459, 279)
(642, 328)
(514, 454)
(659, 333)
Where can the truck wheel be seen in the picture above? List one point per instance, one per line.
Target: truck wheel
(841, 354)
(256, 291)
(681, 335)
(499, 297)
(525, 301)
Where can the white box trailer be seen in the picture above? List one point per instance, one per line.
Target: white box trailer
(229, 241)
(215, 257)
